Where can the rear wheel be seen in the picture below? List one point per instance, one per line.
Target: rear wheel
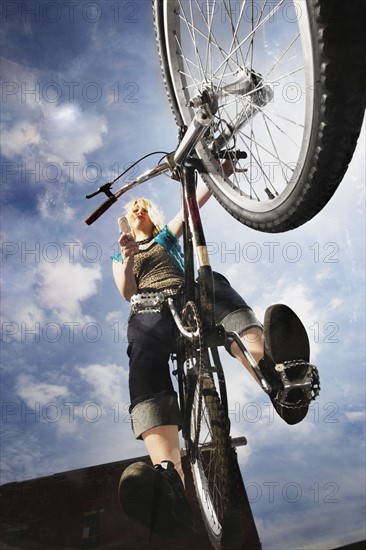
(214, 466)
(287, 83)
(216, 474)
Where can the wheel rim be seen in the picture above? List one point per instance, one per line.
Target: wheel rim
(206, 469)
(253, 63)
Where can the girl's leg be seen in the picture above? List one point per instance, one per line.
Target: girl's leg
(162, 443)
(235, 314)
(286, 337)
(254, 342)
(154, 412)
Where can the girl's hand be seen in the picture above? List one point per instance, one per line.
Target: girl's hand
(129, 246)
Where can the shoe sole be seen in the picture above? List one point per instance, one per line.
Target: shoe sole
(141, 494)
(285, 335)
(286, 340)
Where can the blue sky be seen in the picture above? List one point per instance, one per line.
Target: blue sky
(82, 98)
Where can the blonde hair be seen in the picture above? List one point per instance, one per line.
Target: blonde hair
(155, 214)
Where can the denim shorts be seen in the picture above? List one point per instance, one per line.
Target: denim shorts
(151, 340)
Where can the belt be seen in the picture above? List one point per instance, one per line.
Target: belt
(148, 302)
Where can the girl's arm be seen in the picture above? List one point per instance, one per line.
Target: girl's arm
(176, 224)
(123, 272)
(203, 194)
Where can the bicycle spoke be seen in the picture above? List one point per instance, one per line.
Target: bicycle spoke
(276, 152)
(265, 115)
(234, 32)
(251, 45)
(191, 31)
(251, 33)
(282, 117)
(278, 61)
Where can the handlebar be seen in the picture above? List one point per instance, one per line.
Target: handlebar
(112, 198)
(100, 210)
(169, 165)
(190, 136)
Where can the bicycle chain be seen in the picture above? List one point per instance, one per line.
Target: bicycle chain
(196, 344)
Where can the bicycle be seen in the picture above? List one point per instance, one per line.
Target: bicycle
(212, 111)
(201, 380)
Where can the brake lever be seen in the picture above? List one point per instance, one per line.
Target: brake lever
(106, 188)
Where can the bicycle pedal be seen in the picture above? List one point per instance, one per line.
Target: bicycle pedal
(305, 383)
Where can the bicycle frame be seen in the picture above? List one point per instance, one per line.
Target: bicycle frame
(214, 335)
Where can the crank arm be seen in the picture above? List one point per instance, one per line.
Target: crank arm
(178, 322)
(249, 357)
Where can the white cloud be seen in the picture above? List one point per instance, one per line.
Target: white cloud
(64, 285)
(20, 138)
(336, 303)
(115, 316)
(33, 391)
(357, 416)
(25, 315)
(109, 382)
(111, 438)
(22, 453)
(41, 130)
(19, 82)
(60, 134)
(72, 134)
(52, 205)
(53, 141)
(48, 292)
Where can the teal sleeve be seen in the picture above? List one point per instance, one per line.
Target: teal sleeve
(117, 258)
(168, 240)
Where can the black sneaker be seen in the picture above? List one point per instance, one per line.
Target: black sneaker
(155, 497)
(286, 364)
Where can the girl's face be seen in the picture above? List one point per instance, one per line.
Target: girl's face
(141, 220)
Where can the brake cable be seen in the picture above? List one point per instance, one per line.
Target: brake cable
(106, 187)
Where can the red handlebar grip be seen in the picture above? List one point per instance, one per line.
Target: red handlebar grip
(100, 210)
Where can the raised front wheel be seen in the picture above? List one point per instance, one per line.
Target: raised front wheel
(286, 83)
